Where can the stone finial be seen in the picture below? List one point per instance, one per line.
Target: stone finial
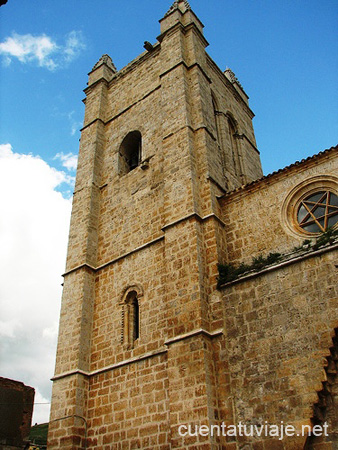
(232, 77)
(182, 5)
(105, 59)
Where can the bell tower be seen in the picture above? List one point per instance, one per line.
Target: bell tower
(162, 139)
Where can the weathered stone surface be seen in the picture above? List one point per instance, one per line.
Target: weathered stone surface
(252, 351)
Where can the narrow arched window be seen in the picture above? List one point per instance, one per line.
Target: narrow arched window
(216, 119)
(233, 145)
(135, 320)
(130, 152)
(131, 319)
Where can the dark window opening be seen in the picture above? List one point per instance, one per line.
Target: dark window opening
(135, 314)
(130, 152)
(216, 113)
(131, 325)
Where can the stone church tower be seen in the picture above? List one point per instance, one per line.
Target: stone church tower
(167, 150)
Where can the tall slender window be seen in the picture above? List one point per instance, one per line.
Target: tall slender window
(233, 145)
(215, 108)
(131, 319)
(135, 320)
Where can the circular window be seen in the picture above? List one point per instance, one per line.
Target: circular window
(318, 212)
(311, 207)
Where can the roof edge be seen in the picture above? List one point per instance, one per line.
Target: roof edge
(276, 173)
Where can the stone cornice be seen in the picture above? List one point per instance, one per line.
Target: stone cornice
(285, 263)
(94, 84)
(180, 63)
(110, 367)
(193, 333)
(193, 215)
(113, 261)
(92, 122)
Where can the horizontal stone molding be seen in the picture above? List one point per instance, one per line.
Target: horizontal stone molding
(184, 28)
(188, 68)
(111, 367)
(193, 333)
(141, 247)
(288, 262)
(190, 216)
(91, 123)
(121, 112)
(108, 263)
(136, 359)
(148, 94)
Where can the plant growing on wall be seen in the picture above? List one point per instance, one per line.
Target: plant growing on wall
(230, 272)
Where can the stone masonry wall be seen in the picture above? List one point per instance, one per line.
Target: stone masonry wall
(279, 324)
(128, 407)
(255, 217)
(251, 351)
(278, 330)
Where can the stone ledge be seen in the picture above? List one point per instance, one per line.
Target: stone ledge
(108, 263)
(193, 333)
(282, 264)
(111, 367)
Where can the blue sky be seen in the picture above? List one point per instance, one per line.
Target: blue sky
(285, 54)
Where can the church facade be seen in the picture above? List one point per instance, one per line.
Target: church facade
(200, 298)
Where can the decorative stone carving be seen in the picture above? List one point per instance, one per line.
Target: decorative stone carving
(176, 5)
(232, 77)
(105, 59)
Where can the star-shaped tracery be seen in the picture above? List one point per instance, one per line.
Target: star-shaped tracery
(318, 212)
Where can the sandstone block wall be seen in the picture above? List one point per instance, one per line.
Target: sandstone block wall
(157, 233)
(277, 334)
(279, 325)
(256, 217)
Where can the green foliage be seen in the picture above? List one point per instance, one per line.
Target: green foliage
(305, 245)
(328, 237)
(260, 262)
(38, 434)
(230, 272)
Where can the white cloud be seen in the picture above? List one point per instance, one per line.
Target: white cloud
(69, 161)
(34, 223)
(7, 328)
(74, 45)
(75, 125)
(42, 49)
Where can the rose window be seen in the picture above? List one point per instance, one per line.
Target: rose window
(318, 212)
